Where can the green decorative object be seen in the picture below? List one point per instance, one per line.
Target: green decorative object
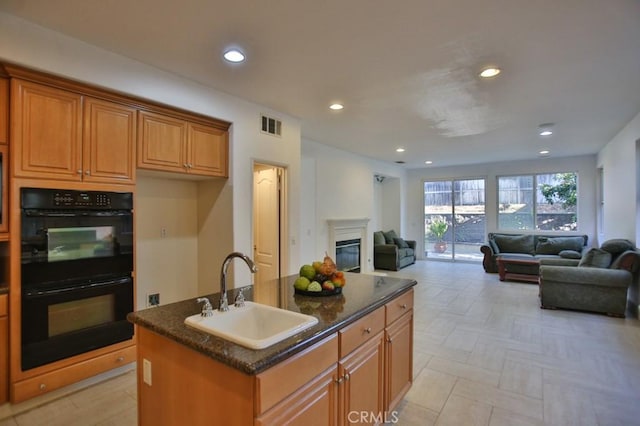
(437, 228)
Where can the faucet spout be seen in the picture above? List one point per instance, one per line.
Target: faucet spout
(224, 304)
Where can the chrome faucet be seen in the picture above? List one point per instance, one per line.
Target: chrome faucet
(224, 304)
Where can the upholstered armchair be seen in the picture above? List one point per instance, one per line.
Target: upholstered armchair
(600, 283)
(392, 252)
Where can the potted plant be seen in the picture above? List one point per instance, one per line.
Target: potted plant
(437, 228)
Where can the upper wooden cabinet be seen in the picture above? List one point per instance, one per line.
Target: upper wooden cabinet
(59, 134)
(4, 110)
(173, 144)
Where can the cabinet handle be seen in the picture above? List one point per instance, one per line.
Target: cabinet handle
(88, 172)
(190, 165)
(403, 306)
(42, 386)
(120, 359)
(346, 376)
(79, 171)
(389, 340)
(339, 380)
(185, 165)
(367, 330)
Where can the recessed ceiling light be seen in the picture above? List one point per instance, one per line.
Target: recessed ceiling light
(428, 162)
(544, 152)
(336, 106)
(234, 55)
(545, 129)
(399, 149)
(489, 72)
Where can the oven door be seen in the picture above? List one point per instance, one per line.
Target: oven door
(74, 246)
(59, 322)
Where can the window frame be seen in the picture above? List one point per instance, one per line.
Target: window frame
(535, 198)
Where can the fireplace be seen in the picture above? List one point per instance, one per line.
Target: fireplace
(348, 244)
(348, 255)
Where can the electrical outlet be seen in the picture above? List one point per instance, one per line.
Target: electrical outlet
(153, 299)
(146, 371)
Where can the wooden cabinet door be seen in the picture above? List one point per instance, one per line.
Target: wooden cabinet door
(4, 349)
(162, 142)
(207, 150)
(361, 391)
(4, 111)
(109, 142)
(46, 131)
(316, 403)
(4, 191)
(398, 360)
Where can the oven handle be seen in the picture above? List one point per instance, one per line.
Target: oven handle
(66, 213)
(35, 292)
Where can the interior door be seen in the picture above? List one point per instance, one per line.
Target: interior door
(266, 229)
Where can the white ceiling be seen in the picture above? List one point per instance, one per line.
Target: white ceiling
(406, 70)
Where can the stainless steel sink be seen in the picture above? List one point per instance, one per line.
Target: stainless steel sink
(254, 325)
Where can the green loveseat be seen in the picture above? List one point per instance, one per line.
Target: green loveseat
(564, 250)
(602, 282)
(392, 252)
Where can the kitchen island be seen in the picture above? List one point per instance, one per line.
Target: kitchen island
(357, 361)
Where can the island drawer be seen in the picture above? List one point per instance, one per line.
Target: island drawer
(276, 383)
(360, 331)
(399, 306)
(4, 310)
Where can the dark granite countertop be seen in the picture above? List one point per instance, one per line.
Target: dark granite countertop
(362, 294)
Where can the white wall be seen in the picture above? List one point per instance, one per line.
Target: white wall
(620, 163)
(166, 264)
(584, 165)
(33, 46)
(391, 201)
(618, 160)
(343, 184)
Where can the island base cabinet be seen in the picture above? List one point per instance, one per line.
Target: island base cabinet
(398, 360)
(311, 405)
(179, 386)
(361, 384)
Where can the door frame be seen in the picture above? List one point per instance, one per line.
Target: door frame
(284, 209)
(453, 211)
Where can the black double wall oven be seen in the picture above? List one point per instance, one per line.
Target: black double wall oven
(77, 263)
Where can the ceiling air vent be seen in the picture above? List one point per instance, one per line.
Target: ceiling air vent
(272, 126)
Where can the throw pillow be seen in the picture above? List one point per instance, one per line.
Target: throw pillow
(554, 245)
(400, 243)
(617, 246)
(515, 243)
(570, 254)
(378, 238)
(389, 236)
(596, 258)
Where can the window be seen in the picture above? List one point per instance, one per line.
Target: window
(545, 202)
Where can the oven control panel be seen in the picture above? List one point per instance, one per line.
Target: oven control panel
(81, 199)
(44, 198)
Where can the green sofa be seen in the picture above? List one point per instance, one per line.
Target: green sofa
(602, 282)
(561, 249)
(392, 252)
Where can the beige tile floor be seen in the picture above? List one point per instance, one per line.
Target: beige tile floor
(485, 354)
